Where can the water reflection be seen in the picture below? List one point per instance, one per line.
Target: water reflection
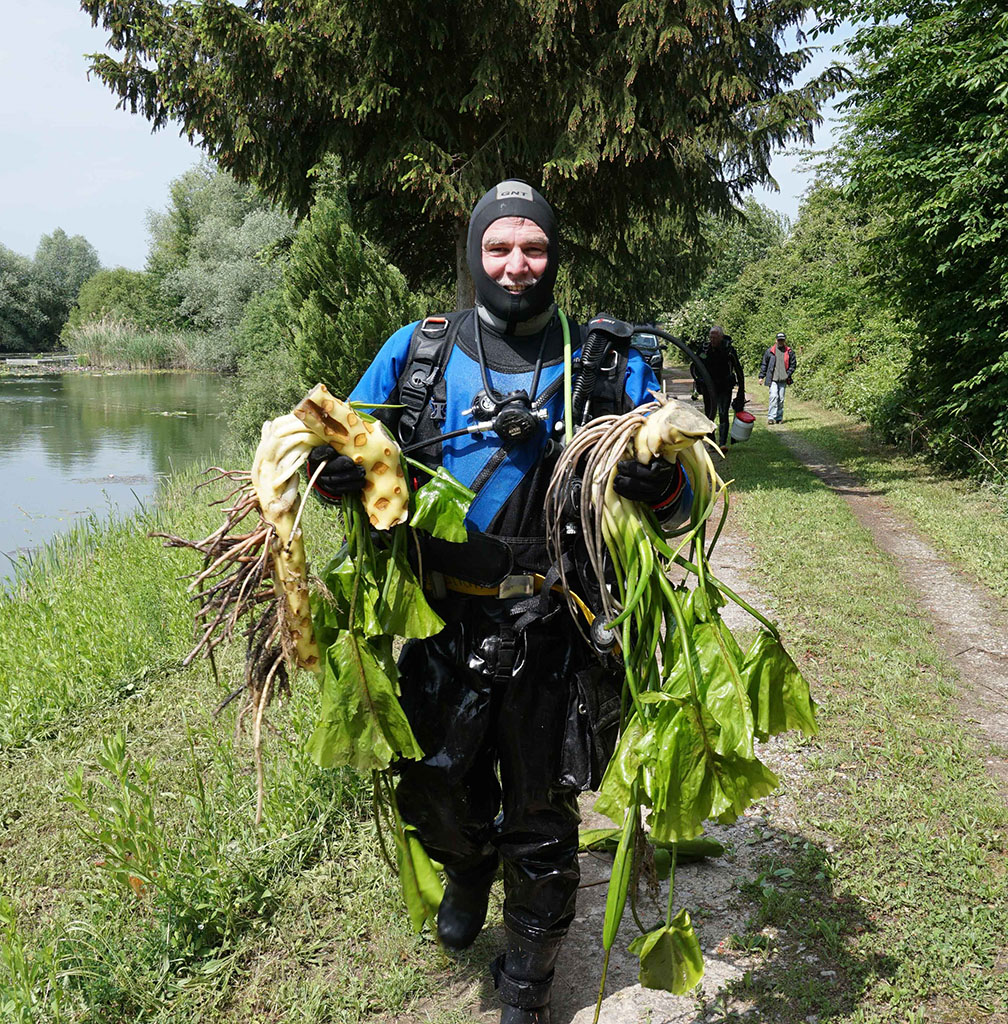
(78, 444)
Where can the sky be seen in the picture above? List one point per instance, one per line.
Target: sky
(70, 159)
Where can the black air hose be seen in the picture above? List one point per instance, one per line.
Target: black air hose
(592, 354)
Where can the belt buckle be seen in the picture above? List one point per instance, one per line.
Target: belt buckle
(519, 585)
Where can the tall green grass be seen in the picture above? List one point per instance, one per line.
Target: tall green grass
(92, 613)
(134, 883)
(117, 344)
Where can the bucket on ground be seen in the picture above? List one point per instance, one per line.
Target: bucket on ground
(742, 425)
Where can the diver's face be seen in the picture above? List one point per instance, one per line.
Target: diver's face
(515, 252)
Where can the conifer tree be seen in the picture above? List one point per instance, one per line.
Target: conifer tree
(634, 116)
(343, 298)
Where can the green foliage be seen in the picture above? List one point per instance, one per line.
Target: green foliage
(440, 507)
(927, 145)
(670, 957)
(62, 648)
(119, 345)
(634, 117)
(36, 296)
(343, 297)
(130, 296)
(820, 286)
(268, 382)
(62, 264)
(22, 322)
(28, 977)
(730, 244)
(217, 245)
(204, 894)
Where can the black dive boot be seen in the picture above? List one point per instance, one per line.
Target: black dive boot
(523, 976)
(464, 907)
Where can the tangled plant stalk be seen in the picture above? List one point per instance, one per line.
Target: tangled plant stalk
(694, 702)
(261, 575)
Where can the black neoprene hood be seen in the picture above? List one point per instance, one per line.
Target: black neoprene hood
(512, 198)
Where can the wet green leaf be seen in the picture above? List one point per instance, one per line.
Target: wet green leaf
(361, 722)
(662, 864)
(421, 885)
(405, 612)
(440, 507)
(724, 693)
(677, 780)
(737, 782)
(338, 578)
(704, 602)
(619, 880)
(621, 772)
(778, 692)
(670, 957)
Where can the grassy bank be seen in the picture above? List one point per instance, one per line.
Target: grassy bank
(888, 899)
(134, 884)
(113, 344)
(969, 525)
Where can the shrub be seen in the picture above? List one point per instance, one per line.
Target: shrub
(343, 297)
(119, 295)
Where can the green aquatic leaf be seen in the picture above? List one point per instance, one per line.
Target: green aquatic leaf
(670, 956)
(421, 885)
(777, 690)
(621, 772)
(338, 578)
(724, 690)
(605, 840)
(678, 779)
(662, 863)
(440, 507)
(361, 722)
(619, 880)
(689, 781)
(736, 783)
(404, 611)
(704, 602)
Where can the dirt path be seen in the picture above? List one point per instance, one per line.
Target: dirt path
(971, 628)
(973, 633)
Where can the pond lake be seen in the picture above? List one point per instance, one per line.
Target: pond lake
(75, 445)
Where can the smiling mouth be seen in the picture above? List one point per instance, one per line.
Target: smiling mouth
(517, 287)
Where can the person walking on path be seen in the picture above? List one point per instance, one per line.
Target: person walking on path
(776, 371)
(490, 698)
(723, 364)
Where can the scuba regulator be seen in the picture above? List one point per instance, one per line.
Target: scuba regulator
(510, 416)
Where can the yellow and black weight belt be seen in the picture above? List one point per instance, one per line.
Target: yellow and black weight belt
(516, 585)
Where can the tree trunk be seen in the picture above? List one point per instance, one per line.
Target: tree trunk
(465, 296)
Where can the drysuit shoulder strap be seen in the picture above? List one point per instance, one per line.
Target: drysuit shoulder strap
(422, 382)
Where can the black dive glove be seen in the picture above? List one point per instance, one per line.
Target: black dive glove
(651, 484)
(739, 404)
(340, 477)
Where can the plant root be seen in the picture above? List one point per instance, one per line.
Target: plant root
(234, 583)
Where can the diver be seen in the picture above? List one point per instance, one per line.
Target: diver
(496, 700)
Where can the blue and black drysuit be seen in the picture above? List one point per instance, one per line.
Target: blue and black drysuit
(481, 696)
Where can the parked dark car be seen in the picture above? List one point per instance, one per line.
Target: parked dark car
(651, 349)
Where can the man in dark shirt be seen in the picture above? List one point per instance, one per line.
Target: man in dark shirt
(723, 365)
